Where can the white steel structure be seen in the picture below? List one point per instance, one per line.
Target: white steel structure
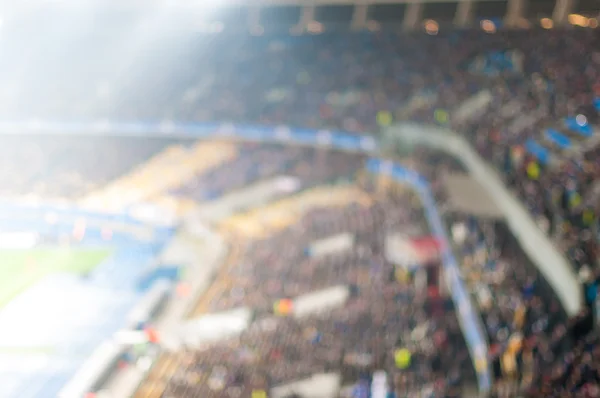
(413, 14)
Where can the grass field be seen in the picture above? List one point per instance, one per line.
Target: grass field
(20, 269)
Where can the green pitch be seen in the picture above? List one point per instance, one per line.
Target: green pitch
(20, 269)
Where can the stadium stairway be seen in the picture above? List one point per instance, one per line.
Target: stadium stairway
(221, 283)
(156, 380)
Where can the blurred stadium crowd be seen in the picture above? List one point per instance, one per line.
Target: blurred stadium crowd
(384, 314)
(537, 128)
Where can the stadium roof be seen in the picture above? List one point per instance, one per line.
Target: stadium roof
(225, 3)
(557, 6)
(356, 13)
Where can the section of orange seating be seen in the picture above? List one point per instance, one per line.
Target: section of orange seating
(169, 169)
(267, 220)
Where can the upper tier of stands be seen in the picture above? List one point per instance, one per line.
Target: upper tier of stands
(323, 81)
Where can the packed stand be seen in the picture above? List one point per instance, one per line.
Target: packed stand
(338, 81)
(561, 80)
(353, 81)
(385, 313)
(562, 195)
(578, 374)
(263, 265)
(352, 341)
(534, 347)
(294, 81)
(526, 326)
(564, 202)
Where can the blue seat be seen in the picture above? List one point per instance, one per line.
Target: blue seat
(540, 152)
(584, 130)
(557, 138)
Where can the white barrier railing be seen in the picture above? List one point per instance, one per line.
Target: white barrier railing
(551, 263)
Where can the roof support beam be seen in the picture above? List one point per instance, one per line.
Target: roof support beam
(254, 16)
(337, 2)
(514, 13)
(464, 13)
(307, 16)
(562, 9)
(359, 16)
(413, 16)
